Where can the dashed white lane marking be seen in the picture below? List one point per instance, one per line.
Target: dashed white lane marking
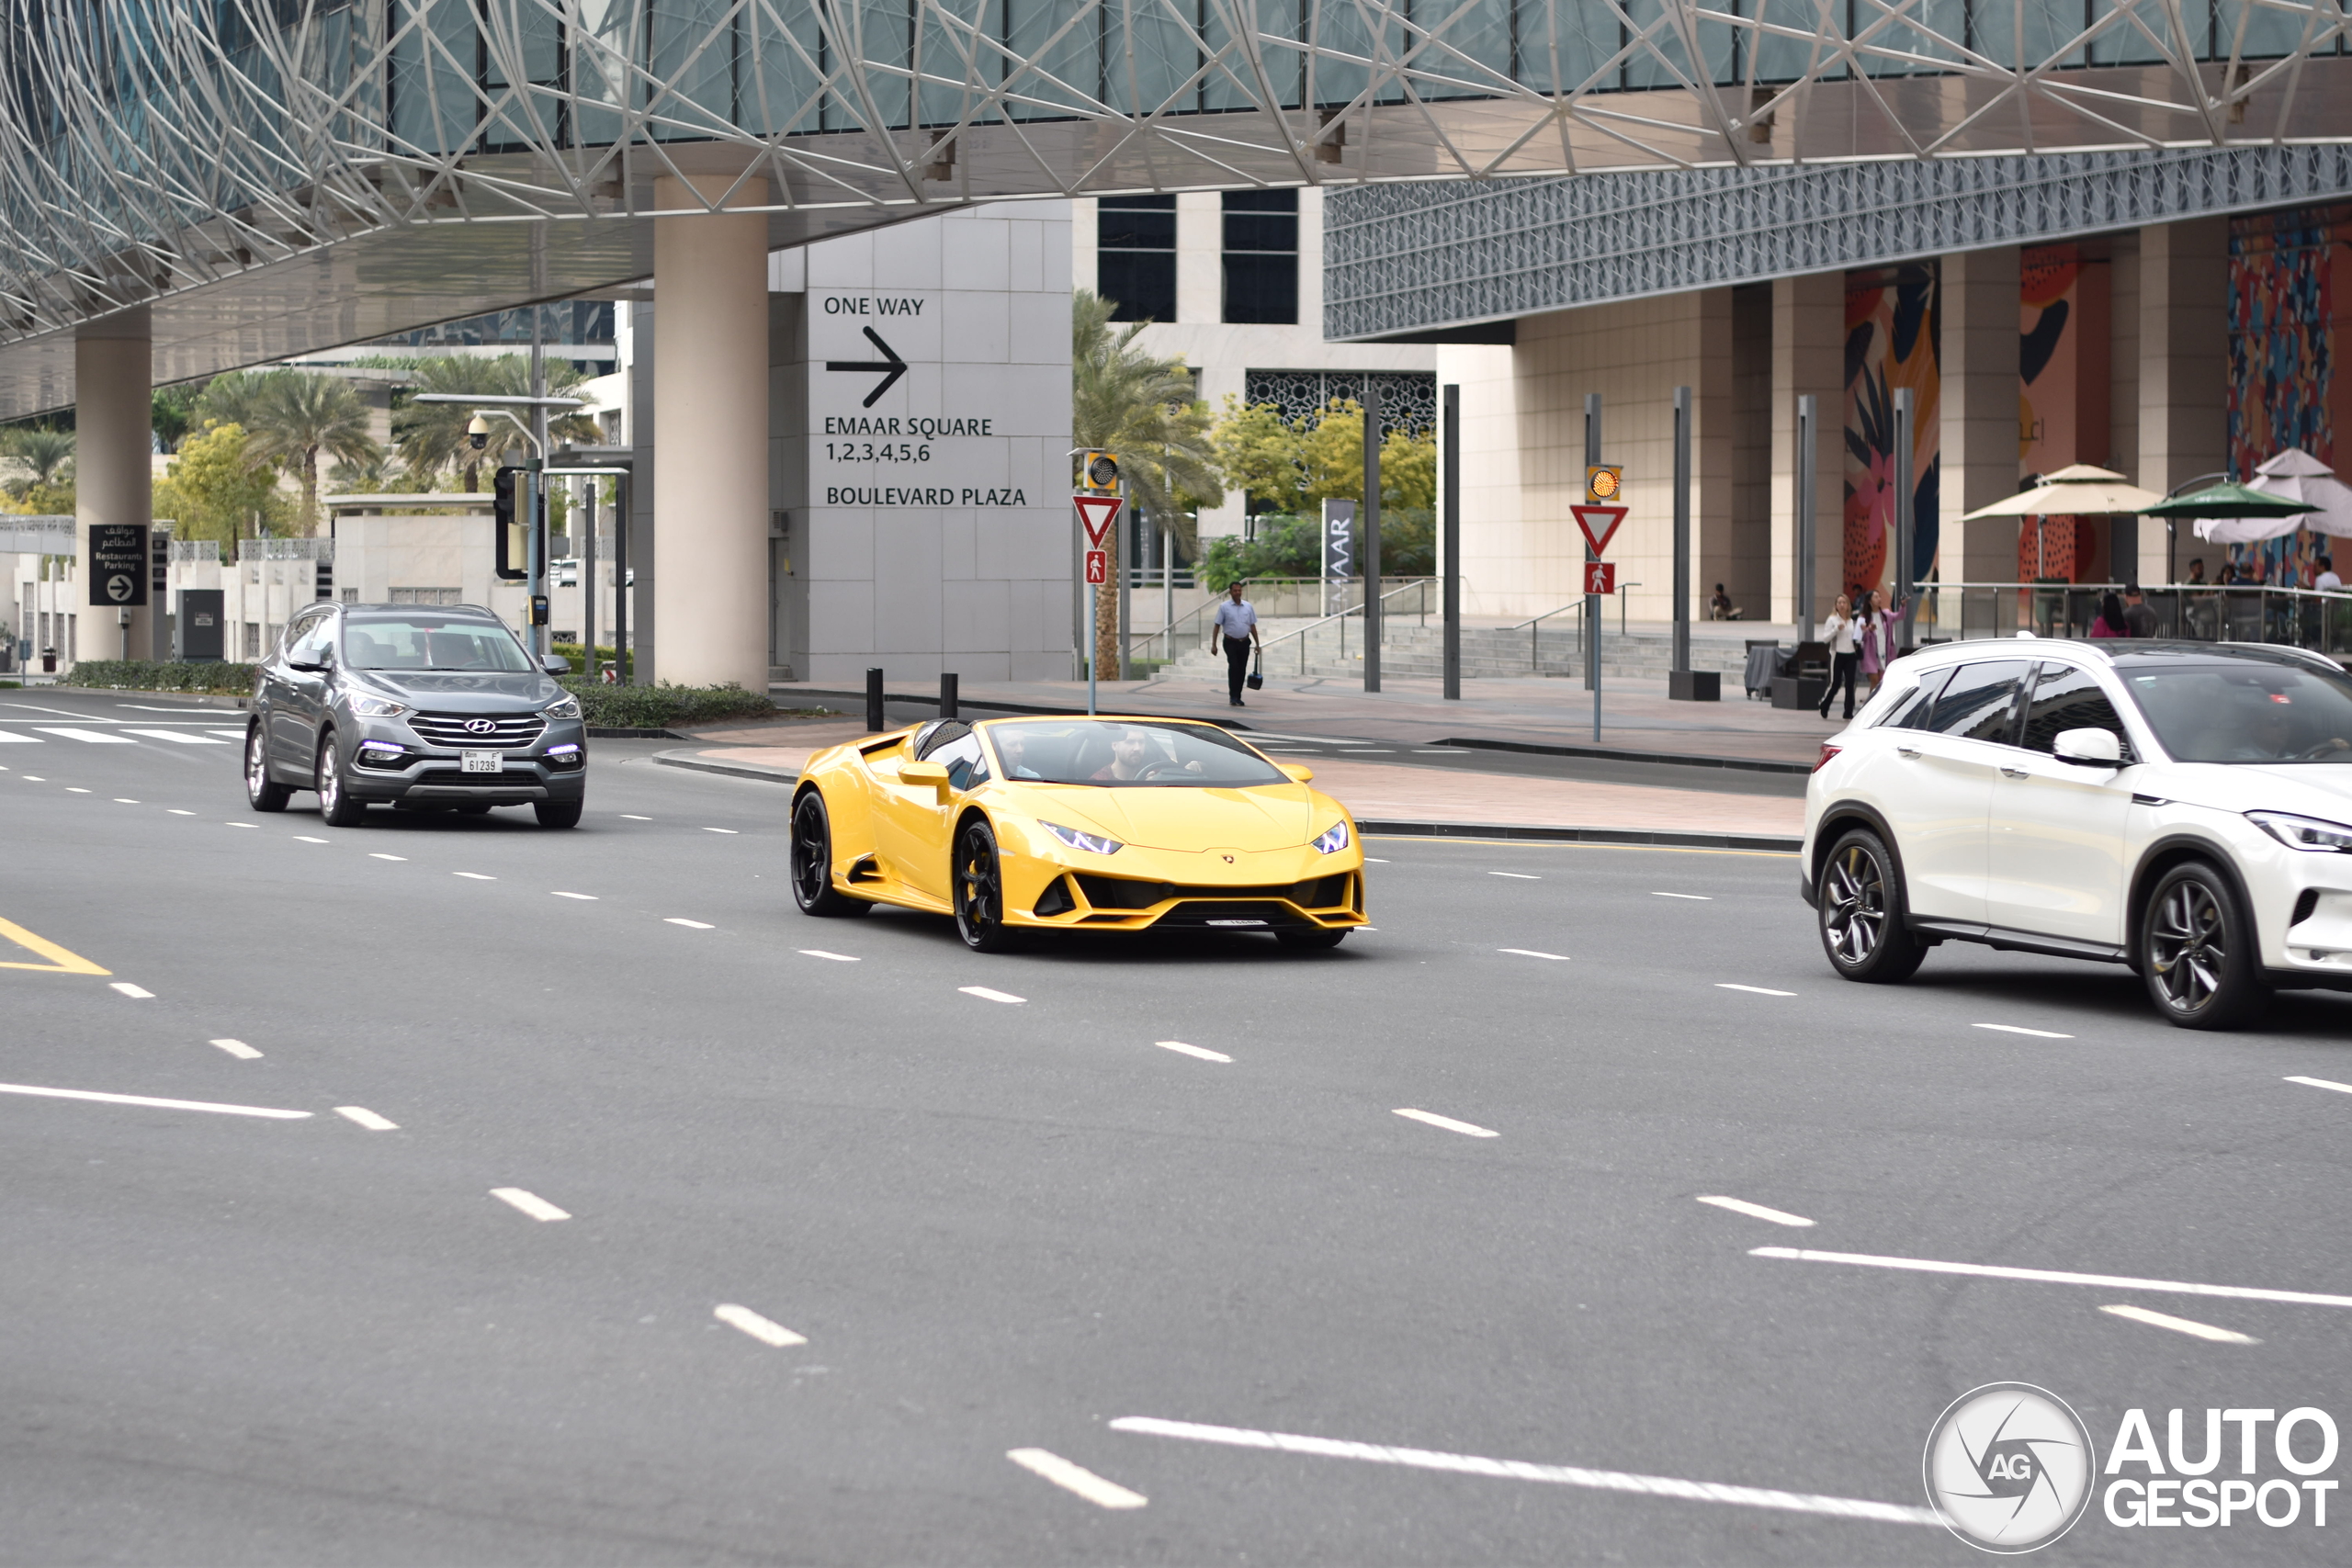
(89, 737)
(122, 800)
(820, 953)
(530, 1203)
(1205, 1056)
(1755, 1210)
(177, 812)
(1520, 1470)
(2053, 1276)
(1694, 897)
(32, 778)
(985, 995)
(764, 1330)
(378, 855)
(633, 816)
(690, 925)
(1515, 875)
(138, 992)
(2189, 1326)
(584, 897)
(473, 877)
(238, 1049)
(306, 838)
(2323, 1083)
(75, 789)
(1076, 1478)
(241, 824)
(1449, 1123)
(2013, 1029)
(154, 1103)
(181, 736)
(1530, 952)
(366, 1117)
(1373, 860)
(727, 830)
(1758, 990)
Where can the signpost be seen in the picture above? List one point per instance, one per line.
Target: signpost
(1098, 504)
(1598, 518)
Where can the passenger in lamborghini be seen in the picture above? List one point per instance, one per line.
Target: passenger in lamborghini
(1133, 754)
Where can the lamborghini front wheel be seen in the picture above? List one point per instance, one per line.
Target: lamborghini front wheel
(979, 891)
(811, 862)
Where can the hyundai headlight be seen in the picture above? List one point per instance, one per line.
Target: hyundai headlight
(564, 707)
(1334, 839)
(2304, 832)
(378, 707)
(1092, 844)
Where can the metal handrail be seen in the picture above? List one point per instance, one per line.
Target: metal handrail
(1418, 585)
(2203, 612)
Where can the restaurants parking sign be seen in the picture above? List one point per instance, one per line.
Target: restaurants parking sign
(119, 563)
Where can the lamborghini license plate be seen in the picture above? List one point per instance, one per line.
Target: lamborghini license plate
(479, 761)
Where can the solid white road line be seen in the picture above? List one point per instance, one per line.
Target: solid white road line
(1449, 1123)
(583, 897)
(181, 736)
(530, 1203)
(2013, 1029)
(158, 1104)
(820, 953)
(139, 992)
(67, 713)
(32, 778)
(1205, 1055)
(690, 925)
(2323, 1083)
(378, 855)
(238, 1049)
(1530, 952)
(1754, 1211)
(366, 1117)
(2054, 1277)
(759, 1328)
(1520, 1470)
(232, 734)
(728, 830)
(90, 736)
(1515, 875)
(2182, 1326)
(306, 838)
(177, 812)
(1694, 897)
(473, 877)
(1076, 1478)
(1759, 990)
(987, 995)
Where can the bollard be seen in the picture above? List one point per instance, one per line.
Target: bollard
(947, 696)
(874, 720)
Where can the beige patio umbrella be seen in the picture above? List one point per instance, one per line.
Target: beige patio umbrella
(2080, 490)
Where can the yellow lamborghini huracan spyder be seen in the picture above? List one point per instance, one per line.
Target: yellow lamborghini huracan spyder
(1089, 824)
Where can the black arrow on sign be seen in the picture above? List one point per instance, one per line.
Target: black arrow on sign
(890, 362)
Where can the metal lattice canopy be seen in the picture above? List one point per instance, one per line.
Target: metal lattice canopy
(272, 176)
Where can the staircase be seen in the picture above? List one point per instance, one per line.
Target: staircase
(1488, 653)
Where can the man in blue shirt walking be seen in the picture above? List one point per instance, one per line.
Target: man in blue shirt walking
(1236, 623)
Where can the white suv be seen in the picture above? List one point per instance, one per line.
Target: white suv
(2182, 808)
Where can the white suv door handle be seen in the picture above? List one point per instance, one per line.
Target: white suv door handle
(1910, 751)
(2015, 774)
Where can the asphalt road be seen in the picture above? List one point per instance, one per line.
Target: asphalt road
(1003, 1226)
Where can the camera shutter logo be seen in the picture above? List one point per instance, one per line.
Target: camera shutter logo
(2009, 1467)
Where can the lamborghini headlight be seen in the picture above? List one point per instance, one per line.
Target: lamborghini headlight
(1094, 843)
(1334, 839)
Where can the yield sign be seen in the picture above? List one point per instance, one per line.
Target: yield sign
(1608, 518)
(1098, 513)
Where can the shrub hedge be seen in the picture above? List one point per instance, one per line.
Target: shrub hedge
(664, 706)
(162, 675)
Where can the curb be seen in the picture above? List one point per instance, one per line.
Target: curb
(1616, 754)
(931, 699)
(607, 733)
(191, 699)
(1665, 837)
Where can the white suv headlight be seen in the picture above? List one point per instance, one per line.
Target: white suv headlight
(2304, 832)
(378, 707)
(565, 707)
(1092, 844)
(1334, 839)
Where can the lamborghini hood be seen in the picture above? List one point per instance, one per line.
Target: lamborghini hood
(1262, 816)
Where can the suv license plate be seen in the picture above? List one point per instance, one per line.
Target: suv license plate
(479, 761)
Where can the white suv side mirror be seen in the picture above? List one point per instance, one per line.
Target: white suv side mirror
(2091, 748)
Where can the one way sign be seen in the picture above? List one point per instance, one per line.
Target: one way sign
(889, 364)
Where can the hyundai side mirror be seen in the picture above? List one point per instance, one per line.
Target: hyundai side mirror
(2088, 748)
(556, 664)
(307, 665)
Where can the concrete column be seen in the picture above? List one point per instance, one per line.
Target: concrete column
(1808, 357)
(710, 480)
(1200, 257)
(2184, 368)
(113, 480)
(1979, 423)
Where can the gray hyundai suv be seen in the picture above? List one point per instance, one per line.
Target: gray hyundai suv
(422, 708)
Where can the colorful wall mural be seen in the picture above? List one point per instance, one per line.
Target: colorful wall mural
(2290, 275)
(2063, 381)
(1890, 341)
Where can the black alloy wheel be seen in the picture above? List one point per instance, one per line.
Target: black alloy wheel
(811, 862)
(261, 792)
(2197, 951)
(1860, 903)
(338, 807)
(979, 892)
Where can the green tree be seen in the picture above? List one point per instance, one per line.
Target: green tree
(42, 455)
(1298, 464)
(432, 436)
(173, 415)
(298, 415)
(214, 490)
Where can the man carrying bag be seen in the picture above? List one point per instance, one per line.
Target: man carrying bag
(1236, 624)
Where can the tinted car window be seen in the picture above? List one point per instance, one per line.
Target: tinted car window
(2248, 712)
(432, 642)
(310, 640)
(1912, 711)
(933, 737)
(1979, 703)
(1123, 755)
(2065, 698)
(962, 759)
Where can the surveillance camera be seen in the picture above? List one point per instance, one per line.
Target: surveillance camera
(478, 433)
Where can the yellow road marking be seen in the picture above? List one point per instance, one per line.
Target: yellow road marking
(61, 962)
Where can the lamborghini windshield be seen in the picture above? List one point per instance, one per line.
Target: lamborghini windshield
(1119, 754)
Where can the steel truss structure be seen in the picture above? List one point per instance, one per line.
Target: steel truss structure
(274, 175)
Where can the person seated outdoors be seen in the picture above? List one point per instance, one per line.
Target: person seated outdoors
(1720, 607)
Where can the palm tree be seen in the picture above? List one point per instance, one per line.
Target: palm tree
(43, 449)
(298, 415)
(432, 436)
(1147, 411)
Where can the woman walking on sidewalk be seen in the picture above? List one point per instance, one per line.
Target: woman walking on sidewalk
(1837, 631)
(1881, 630)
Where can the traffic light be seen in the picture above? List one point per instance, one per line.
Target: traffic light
(1098, 472)
(506, 510)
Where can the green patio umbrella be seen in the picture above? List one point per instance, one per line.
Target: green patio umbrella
(2228, 499)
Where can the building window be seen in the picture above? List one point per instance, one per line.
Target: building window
(1261, 256)
(428, 596)
(1134, 266)
(252, 642)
